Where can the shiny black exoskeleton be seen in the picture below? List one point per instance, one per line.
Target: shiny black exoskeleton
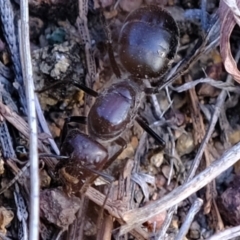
(85, 155)
(147, 44)
(114, 110)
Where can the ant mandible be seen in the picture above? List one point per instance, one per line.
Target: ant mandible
(148, 42)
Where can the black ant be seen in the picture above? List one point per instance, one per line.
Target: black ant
(148, 42)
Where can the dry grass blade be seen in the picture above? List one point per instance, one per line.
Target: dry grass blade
(218, 84)
(22, 171)
(33, 148)
(233, 5)
(44, 125)
(7, 18)
(20, 124)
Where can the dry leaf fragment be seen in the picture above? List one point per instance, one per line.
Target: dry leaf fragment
(229, 16)
(166, 170)
(6, 216)
(234, 136)
(45, 179)
(2, 168)
(128, 152)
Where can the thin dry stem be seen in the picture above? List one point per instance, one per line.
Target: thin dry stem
(228, 86)
(189, 218)
(226, 234)
(199, 132)
(166, 223)
(33, 148)
(44, 125)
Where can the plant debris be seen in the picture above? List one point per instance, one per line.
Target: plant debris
(185, 188)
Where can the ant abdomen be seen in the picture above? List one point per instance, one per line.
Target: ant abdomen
(148, 42)
(114, 110)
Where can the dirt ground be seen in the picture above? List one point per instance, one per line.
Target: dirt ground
(182, 183)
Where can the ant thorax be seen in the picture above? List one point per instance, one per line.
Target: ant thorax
(114, 110)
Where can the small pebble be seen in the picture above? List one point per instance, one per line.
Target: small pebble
(160, 181)
(45, 179)
(185, 144)
(157, 159)
(194, 231)
(166, 171)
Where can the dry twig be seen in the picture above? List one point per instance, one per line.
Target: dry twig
(189, 218)
(33, 148)
(229, 233)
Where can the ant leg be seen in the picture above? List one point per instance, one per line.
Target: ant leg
(76, 119)
(83, 87)
(108, 34)
(61, 164)
(104, 222)
(51, 155)
(54, 85)
(103, 175)
(86, 89)
(145, 126)
(122, 143)
(113, 61)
